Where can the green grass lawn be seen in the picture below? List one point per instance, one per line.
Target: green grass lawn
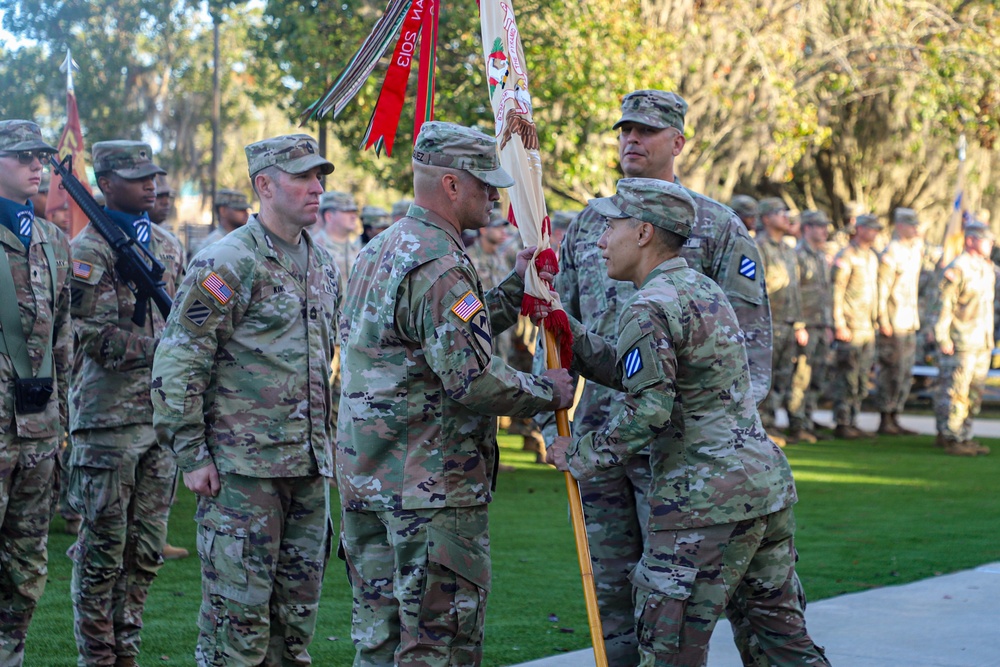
(871, 513)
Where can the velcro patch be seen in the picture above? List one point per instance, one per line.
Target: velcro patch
(632, 362)
(748, 268)
(218, 288)
(198, 312)
(467, 306)
(480, 329)
(82, 270)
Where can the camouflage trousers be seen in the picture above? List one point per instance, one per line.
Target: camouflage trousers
(121, 482)
(896, 355)
(959, 392)
(420, 580)
(688, 578)
(264, 545)
(808, 380)
(27, 469)
(616, 511)
(783, 356)
(852, 363)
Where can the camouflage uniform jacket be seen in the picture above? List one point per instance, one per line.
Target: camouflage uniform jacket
(965, 304)
(719, 247)
(814, 286)
(216, 234)
(419, 376)
(242, 378)
(112, 386)
(681, 360)
(344, 254)
(855, 291)
(34, 289)
(492, 267)
(781, 271)
(898, 284)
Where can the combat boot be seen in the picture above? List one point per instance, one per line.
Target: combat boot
(776, 437)
(981, 449)
(126, 661)
(955, 448)
(800, 435)
(848, 432)
(886, 426)
(170, 552)
(899, 427)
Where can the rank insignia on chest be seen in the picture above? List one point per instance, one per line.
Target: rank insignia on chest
(197, 312)
(633, 362)
(82, 270)
(218, 288)
(467, 306)
(748, 268)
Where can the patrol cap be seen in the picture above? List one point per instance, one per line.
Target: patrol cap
(651, 200)
(232, 199)
(868, 220)
(815, 218)
(655, 108)
(337, 201)
(770, 205)
(400, 208)
(22, 135)
(162, 186)
(128, 159)
(375, 216)
(443, 144)
(745, 206)
(907, 216)
(291, 153)
(561, 219)
(979, 230)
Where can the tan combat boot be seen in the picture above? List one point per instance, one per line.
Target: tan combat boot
(886, 426)
(955, 448)
(899, 427)
(171, 552)
(800, 435)
(981, 449)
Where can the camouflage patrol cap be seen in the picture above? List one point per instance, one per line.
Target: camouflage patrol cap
(745, 206)
(815, 218)
(655, 108)
(375, 216)
(561, 219)
(771, 205)
(291, 153)
(22, 135)
(979, 230)
(46, 181)
(400, 208)
(651, 200)
(907, 216)
(869, 221)
(450, 145)
(129, 159)
(233, 199)
(162, 185)
(337, 201)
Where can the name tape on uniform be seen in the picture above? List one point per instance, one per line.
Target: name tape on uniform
(467, 306)
(218, 288)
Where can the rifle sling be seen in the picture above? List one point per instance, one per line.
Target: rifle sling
(12, 341)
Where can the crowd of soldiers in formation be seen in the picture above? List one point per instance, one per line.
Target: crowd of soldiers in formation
(302, 350)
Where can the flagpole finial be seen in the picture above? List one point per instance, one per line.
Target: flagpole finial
(68, 66)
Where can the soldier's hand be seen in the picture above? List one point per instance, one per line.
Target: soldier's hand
(802, 337)
(843, 334)
(203, 481)
(556, 453)
(523, 259)
(563, 388)
(886, 330)
(947, 347)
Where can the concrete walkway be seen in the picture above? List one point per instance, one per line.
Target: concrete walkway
(947, 621)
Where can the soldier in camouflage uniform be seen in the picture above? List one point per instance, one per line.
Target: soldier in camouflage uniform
(36, 292)
(854, 277)
(964, 335)
(232, 210)
(727, 545)
(651, 134)
(241, 391)
(121, 480)
(899, 319)
(400, 208)
(817, 304)
(493, 263)
(781, 275)
(374, 221)
(416, 445)
(339, 231)
(746, 207)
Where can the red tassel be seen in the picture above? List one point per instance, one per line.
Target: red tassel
(547, 261)
(558, 324)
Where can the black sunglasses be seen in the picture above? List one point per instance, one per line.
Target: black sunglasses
(27, 157)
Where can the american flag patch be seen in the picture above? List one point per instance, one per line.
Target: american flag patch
(467, 306)
(633, 362)
(82, 269)
(218, 288)
(748, 268)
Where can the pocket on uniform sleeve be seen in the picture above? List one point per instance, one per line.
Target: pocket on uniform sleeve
(661, 594)
(459, 576)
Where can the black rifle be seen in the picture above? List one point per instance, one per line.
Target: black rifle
(143, 275)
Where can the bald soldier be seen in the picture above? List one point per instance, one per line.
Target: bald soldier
(416, 441)
(964, 335)
(242, 395)
(651, 136)
(720, 527)
(899, 319)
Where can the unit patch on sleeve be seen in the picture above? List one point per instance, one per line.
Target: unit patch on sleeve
(197, 312)
(82, 270)
(218, 288)
(467, 306)
(748, 268)
(633, 362)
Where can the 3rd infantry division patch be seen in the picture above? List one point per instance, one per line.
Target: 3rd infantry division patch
(198, 312)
